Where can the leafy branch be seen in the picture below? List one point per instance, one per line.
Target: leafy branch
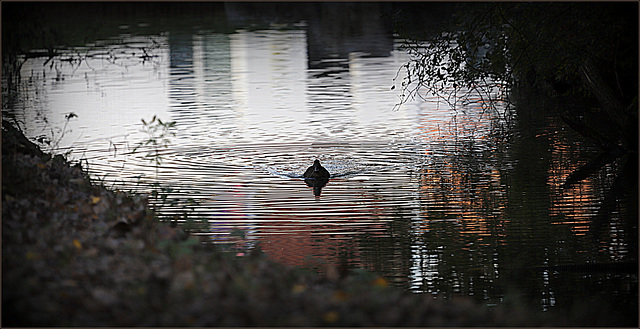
(158, 136)
(53, 142)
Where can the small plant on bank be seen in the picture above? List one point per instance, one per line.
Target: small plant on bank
(53, 142)
(158, 137)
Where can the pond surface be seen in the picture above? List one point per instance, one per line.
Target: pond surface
(439, 201)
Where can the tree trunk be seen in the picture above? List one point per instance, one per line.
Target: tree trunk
(612, 105)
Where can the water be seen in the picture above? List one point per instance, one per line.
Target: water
(439, 201)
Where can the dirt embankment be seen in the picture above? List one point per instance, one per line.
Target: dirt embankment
(77, 254)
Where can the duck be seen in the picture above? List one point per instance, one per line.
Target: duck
(317, 171)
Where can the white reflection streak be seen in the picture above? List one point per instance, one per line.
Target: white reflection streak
(268, 73)
(238, 45)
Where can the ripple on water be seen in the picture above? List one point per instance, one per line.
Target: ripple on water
(260, 187)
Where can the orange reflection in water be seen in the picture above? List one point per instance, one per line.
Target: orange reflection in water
(461, 185)
(324, 234)
(575, 205)
(311, 246)
(473, 201)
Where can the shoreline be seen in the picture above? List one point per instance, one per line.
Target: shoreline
(79, 254)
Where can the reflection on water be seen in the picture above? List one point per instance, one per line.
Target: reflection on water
(317, 184)
(437, 200)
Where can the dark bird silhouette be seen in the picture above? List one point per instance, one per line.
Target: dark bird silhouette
(317, 177)
(316, 171)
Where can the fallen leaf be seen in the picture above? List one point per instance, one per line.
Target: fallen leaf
(299, 288)
(340, 296)
(331, 316)
(380, 282)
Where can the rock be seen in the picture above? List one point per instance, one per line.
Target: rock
(104, 296)
(182, 281)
